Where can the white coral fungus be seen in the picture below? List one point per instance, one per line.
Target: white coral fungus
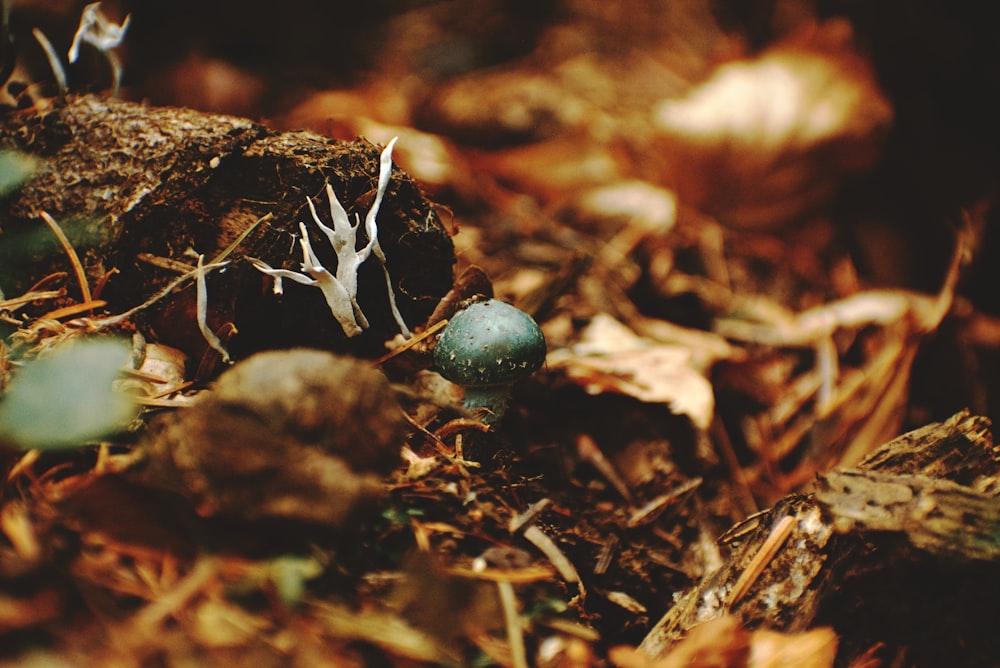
(103, 34)
(96, 29)
(341, 289)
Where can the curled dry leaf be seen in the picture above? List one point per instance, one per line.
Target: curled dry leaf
(764, 141)
(160, 373)
(610, 358)
(815, 648)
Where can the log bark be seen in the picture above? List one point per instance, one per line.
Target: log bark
(141, 190)
(898, 554)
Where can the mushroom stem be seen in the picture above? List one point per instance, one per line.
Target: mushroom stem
(491, 400)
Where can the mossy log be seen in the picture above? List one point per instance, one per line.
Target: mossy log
(141, 191)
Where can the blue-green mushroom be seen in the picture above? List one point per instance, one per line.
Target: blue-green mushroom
(486, 348)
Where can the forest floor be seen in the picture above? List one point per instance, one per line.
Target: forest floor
(750, 280)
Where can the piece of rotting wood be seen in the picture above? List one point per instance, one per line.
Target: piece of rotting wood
(142, 191)
(861, 543)
(277, 439)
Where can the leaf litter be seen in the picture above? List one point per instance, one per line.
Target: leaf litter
(698, 372)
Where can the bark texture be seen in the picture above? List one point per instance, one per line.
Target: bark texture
(898, 554)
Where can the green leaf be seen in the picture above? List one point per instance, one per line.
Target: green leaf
(15, 169)
(67, 397)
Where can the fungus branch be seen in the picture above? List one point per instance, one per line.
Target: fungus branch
(339, 300)
(341, 288)
(371, 228)
(95, 29)
(201, 302)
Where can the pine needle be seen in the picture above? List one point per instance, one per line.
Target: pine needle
(74, 259)
(74, 309)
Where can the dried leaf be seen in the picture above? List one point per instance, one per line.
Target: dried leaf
(816, 648)
(764, 141)
(649, 207)
(218, 623)
(714, 644)
(611, 358)
(724, 642)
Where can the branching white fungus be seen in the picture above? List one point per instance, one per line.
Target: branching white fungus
(104, 35)
(341, 288)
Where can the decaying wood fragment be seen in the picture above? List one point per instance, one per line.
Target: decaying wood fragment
(296, 435)
(938, 516)
(142, 191)
(926, 502)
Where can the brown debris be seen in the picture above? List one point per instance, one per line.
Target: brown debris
(723, 642)
(736, 315)
(278, 436)
(789, 567)
(765, 142)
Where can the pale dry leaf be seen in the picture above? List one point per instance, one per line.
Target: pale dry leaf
(643, 204)
(764, 141)
(379, 113)
(785, 100)
(165, 363)
(717, 643)
(556, 168)
(610, 358)
(218, 623)
(816, 648)
(723, 642)
(428, 158)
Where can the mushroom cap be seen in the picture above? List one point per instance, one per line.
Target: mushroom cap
(489, 343)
